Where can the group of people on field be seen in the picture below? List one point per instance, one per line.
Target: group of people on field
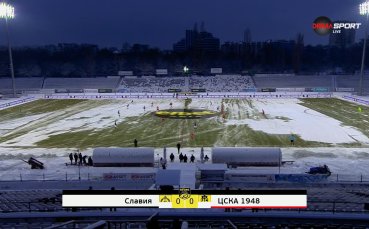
(79, 159)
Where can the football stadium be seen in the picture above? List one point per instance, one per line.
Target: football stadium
(191, 143)
(232, 138)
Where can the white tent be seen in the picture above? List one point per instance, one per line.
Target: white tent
(120, 157)
(247, 156)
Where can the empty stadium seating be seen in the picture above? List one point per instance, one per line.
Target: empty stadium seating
(21, 84)
(81, 83)
(218, 83)
(30, 200)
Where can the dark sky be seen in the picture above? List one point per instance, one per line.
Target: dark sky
(160, 23)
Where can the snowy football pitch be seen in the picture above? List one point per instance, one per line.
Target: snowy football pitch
(92, 123)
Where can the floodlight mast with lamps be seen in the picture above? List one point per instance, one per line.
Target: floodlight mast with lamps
(7, 12)
(364, 10)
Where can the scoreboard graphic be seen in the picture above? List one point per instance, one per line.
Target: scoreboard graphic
(185, 198)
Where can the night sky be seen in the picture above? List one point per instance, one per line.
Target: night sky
(160, 23)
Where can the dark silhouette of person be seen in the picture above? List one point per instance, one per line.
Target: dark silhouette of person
(181, 157)
(164, 165)
(192, 158)
(84, 160)
(206, 158)
(80, 158)
(171, 157)
(185, 158)
(75, 158)
(71, 158)
(90, 162)
(135, 142)
(178, 146)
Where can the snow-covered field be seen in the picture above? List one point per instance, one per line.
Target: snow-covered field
(282, 117)
(310, 125)
(103, 114)
(94, 121)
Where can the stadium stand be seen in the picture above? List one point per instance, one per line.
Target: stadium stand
(186, 219)
(22, 84)
(352, 81)
(293, 81)
(151, 84)
(81, 83)
(217, 83)
(224, 83)
(306, 81)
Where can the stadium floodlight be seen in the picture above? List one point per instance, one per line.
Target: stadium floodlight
(185, 69)
(363, 10)
(7, 12)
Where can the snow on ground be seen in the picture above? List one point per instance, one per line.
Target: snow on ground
(94, 118)
(6, 103)
(349, 163)
(9, 125)
(284, 116)
(310, 125)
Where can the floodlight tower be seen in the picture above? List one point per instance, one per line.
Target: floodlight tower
(187, 81)
(7, 12)
(364, 10)
(185, 69)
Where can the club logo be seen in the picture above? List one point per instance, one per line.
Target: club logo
(184, 193)
(185, 113)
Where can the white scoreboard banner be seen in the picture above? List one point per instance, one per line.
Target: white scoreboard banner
(184, 198)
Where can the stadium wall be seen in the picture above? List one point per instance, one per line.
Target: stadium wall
(249, 95)
(7, 104)
(364, 101)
